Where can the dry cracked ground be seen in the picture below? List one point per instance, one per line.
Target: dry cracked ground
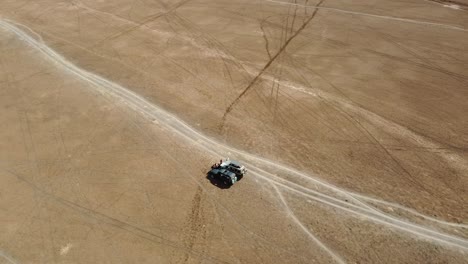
(351, 116)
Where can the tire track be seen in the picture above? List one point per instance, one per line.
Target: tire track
(7, 257)
(150, 19)
(267, 65)
(458, 4)
(195, 222)
(400, 19)
(291, 214)
(114, 222)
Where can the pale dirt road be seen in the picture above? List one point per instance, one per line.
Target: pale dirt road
(351, 117)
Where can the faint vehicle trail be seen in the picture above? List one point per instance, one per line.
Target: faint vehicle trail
(268, 64)
(290, 213)
(7, 257)
(409, 210)
(322, 192)
(376, 16)
(450, 4)
(451, 158)
(99, 217)
(148, 20)
(366, 212)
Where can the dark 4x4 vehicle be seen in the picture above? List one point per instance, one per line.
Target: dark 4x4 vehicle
(228, 172)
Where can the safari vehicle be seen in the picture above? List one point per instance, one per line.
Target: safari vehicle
(228, 171)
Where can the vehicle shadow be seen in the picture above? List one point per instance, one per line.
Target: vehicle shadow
(216, 182)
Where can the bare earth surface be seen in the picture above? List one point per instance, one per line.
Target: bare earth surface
(351, 116)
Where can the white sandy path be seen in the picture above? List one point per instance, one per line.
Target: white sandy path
(291, 214)
(7, 258)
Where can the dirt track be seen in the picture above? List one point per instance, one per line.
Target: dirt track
(350, 116)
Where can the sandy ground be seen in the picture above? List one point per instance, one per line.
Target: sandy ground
(350, 116)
